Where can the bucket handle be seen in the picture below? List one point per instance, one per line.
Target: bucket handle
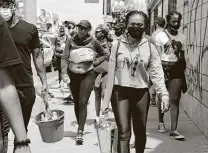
(59, 122)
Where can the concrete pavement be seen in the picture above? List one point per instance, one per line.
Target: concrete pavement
(157, 143)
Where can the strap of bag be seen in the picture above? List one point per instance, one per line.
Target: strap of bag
(169, 39)
(119, 43)
(150, 49)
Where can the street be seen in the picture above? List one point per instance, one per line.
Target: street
(157, 142)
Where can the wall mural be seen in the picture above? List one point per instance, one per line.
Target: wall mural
(195, 24)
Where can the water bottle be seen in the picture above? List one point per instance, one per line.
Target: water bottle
(46, 118)
(54, 116)
(42, 117)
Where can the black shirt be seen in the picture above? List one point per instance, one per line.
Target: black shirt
(8, 53)
(25, 36)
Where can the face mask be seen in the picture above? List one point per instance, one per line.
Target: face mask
(6, 13)
(135, 32)
(175, 28)
(118, 33)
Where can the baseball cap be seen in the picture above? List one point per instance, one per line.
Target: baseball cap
(160, 21)
(85, 23)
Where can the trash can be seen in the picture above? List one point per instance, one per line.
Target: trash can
(52, 130)
(107, 137)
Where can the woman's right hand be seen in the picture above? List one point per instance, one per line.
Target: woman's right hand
(25, 149)
(65, 78)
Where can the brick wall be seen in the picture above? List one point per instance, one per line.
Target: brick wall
(195, 27)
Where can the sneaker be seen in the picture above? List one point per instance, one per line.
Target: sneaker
(161, 128)
(69, 99)
(176, 135)
(79, 140)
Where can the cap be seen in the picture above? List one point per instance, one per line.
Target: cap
(160, 21)
(119, 26)
(85, 23)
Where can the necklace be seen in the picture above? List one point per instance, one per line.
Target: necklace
(135, 61)
(130, 51)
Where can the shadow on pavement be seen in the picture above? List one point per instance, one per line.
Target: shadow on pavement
(88, 122)
(70, 134)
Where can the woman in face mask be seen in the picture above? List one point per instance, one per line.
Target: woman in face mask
(78, 62)
(133, 61)
(171, 45)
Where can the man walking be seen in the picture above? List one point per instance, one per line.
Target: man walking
(26, 39)
(159, 26)
(9, 102)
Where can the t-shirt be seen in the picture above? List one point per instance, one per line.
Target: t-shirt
(8, 53)
(25, 36)
(162, 38)
(154, 34)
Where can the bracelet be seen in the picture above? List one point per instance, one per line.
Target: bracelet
(22, 143)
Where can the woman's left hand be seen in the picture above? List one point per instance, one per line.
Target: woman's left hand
(165, 105)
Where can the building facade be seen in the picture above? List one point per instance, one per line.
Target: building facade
(26, 10)
(195, 27)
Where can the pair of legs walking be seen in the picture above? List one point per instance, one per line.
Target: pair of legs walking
(99, 92)
(174, 87)
(81, 87)
(130, 103)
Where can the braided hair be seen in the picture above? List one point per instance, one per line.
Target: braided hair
(168, 17)
(134, 12)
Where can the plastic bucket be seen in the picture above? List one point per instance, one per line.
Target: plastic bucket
(107, 139)
(52, 130)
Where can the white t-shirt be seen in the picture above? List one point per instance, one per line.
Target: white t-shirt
(168, 52)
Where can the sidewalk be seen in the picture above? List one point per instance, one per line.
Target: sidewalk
(156, 143)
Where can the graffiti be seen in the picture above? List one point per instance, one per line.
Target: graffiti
(197, 50)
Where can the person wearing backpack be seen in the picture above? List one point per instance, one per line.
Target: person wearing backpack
(78, 62)
(133, 62)
(171, 45)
